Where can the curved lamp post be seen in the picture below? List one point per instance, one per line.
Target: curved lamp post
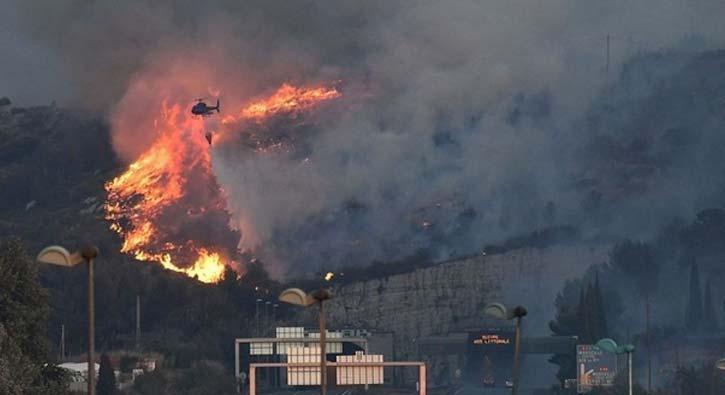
(720, 365)
(59, 256)
(298, 297)
(501, 312)
(610, 346)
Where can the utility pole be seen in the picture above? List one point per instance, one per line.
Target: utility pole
(607, 67)
(323, 351)
(649, 346)
(62, 342)
(298, 297)
(138, 321)
(57, 255)
(256, 315)
(89, 254)
(274, 314)
(517, 352)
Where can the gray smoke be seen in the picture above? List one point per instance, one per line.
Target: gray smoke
(460, 122)
(29, 72)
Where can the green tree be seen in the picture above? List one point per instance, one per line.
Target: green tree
(16, 369)
(206, 378)
(593, 316)
(583, 316)
(635, 260)
(599, 319)
(710, 321)
(23, 311)
(695, 380)
(256, 273)
(693, 315)
(23, 307)
(151, 383)
(567, 322)
(106, 384)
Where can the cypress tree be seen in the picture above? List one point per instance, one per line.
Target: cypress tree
(567, 322)
(591, 311)
(583, 317)
(592, 315)
(106, 384)
(710, 316)
(693, 315)
(600, 318)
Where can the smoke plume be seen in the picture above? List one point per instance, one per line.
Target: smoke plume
(459, 122)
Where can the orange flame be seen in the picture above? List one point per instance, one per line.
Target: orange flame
(208, 268)
(154, 182)
(149, 194)
(287, 99)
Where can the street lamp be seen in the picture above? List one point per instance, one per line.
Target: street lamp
(610, 346)
(274, 314)
(59, 256)
(715, 380)
(298, 297)
(720, 365)
(256, 315)
(500, 312)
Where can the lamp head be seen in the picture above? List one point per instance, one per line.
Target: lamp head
(57, 255)
(500, 312)
(496, 310)
(322, 294)
(720, 365)
(609, 345)
(519, 311)
(296, 297)
(89, 252)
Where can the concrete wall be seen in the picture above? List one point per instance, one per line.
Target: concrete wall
(450, 296)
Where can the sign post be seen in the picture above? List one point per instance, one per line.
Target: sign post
(595, 368)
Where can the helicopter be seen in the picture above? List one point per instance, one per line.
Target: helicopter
(202, 109)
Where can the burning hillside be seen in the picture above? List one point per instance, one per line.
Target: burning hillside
(168, 206)
(287, 100)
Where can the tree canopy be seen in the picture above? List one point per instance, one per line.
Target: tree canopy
(106, 384)
(23, 313)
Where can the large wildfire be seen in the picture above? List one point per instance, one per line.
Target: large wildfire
(167, 205)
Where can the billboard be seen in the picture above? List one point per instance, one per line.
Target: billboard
(595, 368)
(490, 357)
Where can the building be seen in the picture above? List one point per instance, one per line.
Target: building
(79, 375)
(300, 342)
